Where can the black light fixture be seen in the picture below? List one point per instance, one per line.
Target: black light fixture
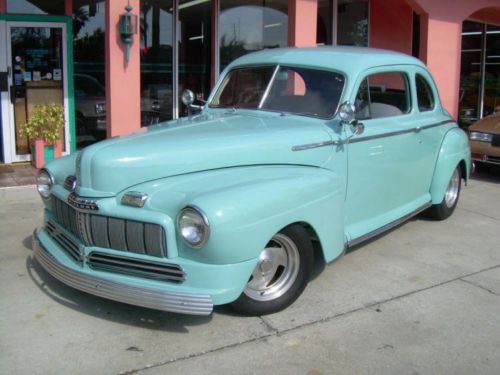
(128, 28)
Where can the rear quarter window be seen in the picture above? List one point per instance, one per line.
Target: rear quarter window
(425, 97)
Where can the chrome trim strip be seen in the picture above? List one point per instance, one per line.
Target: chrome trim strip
(386, 227)
(153, 298)
(487, 161)
(399, 132)
(126, 261)
(369, 138)
(315, 145)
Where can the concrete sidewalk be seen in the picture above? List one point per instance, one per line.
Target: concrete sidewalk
(424, 298)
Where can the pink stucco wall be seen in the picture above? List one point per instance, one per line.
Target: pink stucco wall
(302, 20)
(440, 41)
(123, 99)
(386, 16)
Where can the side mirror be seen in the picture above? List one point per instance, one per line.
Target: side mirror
(188, 99)
(347, 115)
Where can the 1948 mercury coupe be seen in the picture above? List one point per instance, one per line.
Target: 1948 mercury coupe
(295, 146)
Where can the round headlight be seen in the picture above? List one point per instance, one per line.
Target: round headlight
(193, 226)
(44, 182)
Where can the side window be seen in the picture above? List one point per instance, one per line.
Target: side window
(425, 98)
(383, 95)
(362, 102)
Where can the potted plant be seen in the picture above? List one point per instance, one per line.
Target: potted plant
(43, 129)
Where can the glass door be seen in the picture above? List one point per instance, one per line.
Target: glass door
(36, 71)
(194, 36)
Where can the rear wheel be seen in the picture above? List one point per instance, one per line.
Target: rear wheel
(281, 274)
(444, 209)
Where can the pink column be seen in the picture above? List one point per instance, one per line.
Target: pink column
(302, 20)
(440, 49)
(391, 25)
(3, 6)
(123, 81)
(441, 39)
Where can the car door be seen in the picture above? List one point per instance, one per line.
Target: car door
(385, 161)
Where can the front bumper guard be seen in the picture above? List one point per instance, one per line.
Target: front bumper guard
(153, 298)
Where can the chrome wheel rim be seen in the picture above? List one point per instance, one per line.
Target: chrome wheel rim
(276, 270)
(451, 194)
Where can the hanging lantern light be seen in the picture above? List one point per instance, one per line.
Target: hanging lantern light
(128, 28)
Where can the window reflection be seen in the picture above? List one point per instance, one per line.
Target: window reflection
(351, 22)
(35, 6)
(248, 26)
(476, 99)
(156, 61)
(89, 78)
(194, 49)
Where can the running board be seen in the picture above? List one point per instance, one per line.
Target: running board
(387, 227)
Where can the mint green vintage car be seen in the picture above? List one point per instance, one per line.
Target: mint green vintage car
(297, 152)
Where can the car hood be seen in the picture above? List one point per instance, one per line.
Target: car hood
(490, 124)
(196, 144)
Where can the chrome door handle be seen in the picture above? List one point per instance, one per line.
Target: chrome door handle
(418, 129)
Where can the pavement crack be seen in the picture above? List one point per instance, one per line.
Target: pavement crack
(276, 333)
(197, 354)
(268, 325)
(479, 213)
(480, 287)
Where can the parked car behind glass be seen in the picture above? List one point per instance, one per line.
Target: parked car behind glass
(484, 138)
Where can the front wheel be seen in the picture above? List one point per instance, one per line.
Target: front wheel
(444, 209)
(281, 274)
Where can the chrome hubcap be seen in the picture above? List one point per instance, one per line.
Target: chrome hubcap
(452, 191)
(276, 270)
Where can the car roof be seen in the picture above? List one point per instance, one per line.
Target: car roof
(342, 58)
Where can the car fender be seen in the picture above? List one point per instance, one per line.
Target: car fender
(246, 206)
(454, 149)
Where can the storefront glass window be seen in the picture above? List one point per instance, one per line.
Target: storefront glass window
(352, 23)
(156, 20)
(54, 7)
(194, 49)
(251, 25)
(324, 28)
(479, 94)
(89, 55)
(470, 72)
(492, 71)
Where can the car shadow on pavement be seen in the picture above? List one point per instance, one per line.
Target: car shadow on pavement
(487, 173)
(106, 309)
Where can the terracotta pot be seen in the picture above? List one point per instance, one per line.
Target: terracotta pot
(58, 149)
(38, 153)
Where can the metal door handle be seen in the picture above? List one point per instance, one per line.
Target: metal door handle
(418, 129)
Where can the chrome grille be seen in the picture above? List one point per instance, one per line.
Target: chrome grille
(111, 233)
(135, 267)
(70, 246)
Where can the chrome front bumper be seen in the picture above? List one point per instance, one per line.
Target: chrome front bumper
(153, 298)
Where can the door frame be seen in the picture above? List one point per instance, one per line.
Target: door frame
(65, 22)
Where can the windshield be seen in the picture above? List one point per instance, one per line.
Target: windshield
(301, 91)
